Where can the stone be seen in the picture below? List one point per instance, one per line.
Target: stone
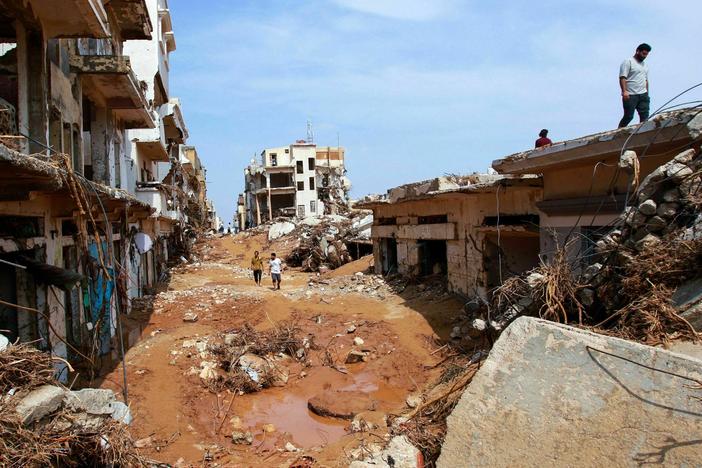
(351, 329)
(4, 343)
(278, 230)
(413, 401)
(667, 210)
(230, 339)
(636, 220)
(534, 279)
(677, 171)
(369, 421)
(687, 300)
(647, 241)
(242, 438)
(479, 325)
(399, 453)
(289, 447)
(145, 442)
(269, 428)
(592, 271)
(208, 370)
(40, 402)
(570, 390)
(685, 157)
(648, 207)
(587, 296)
(190, 317)
(355, 356)
(656, 224)
(628, 161)
(456, 333)
(695, 231)
(93, 401)
(358, 341)
(341, 404)
(671, 196)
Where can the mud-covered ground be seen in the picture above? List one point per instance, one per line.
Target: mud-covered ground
(179, 421)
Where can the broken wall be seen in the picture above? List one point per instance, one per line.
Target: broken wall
(463, 231)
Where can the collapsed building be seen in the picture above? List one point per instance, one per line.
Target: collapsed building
(299, 180)
(480, 230)
(88, 136)
(476, 230)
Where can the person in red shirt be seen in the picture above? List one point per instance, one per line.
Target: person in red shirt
(543, 141)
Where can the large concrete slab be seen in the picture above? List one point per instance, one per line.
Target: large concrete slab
(552, 395)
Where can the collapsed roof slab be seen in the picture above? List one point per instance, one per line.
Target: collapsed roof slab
(554, 395)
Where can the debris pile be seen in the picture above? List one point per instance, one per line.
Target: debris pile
(317, 243)
(639, 283)
(248, 360)
(42, 423)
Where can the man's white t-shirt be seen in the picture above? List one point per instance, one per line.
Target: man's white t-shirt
(275, 266)
(636, 74)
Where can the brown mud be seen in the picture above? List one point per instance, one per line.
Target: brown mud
(180, 421)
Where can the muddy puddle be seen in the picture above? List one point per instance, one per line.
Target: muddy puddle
(286, 408)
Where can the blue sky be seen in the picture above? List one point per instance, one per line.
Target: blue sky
(414, 89)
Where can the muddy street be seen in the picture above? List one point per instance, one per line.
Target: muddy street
(181, 418)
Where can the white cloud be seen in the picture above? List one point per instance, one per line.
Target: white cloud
(412, 10)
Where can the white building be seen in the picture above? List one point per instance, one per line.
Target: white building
(152, 152)
(298, 180)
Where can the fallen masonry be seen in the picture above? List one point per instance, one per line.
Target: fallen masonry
(587, 400)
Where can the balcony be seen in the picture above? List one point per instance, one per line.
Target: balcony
(72, 18)
(113, 78)
(132, 18)
(173, 122)
(151, 143)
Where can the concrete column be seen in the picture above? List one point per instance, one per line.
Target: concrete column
(99, 150)
(37, 91)
(22, 83)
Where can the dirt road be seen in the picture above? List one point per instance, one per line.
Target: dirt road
(178, 420)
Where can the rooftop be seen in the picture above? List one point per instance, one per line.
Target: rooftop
(663, 129)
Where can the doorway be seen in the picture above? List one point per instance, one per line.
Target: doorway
(433, 259)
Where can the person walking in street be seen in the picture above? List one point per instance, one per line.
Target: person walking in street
(276, 268)
(257, 267)
(633, 82)
(544, 141)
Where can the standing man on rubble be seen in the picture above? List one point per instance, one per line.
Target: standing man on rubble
(633, 81)
(257, 267)
(276, 269)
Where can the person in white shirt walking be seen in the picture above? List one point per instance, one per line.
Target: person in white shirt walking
(276, 268)
(633, 81)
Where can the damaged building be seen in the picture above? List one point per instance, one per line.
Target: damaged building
(586, 181)
(88, 132)
(475, 230)
(299, 180)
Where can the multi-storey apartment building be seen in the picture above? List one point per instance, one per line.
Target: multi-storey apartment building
(299, 180)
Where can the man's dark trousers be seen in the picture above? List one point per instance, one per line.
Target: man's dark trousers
(636, 102)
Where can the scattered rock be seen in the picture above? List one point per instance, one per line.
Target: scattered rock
(39, 403)
(242, 438)
(656, 224)
(358, 341)
(351, 329)
(230, 339)
(4, 342)
(648, 207)
(667, 210)
(355, 357)
(289, 447)
(340, 404)
(269, 428)
(677, 171)
(413, 401)
(190, 317)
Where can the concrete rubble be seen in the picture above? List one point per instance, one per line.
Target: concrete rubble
(588, 400)
(664, 221)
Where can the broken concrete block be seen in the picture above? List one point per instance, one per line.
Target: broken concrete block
(242, 438)
(355, 357)
(648, 207)
(341, 404)
(399, 453)
(278, 230)
(190, 317)
(677, 172)
(686, 156)
(39, 403)
(568, 389)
